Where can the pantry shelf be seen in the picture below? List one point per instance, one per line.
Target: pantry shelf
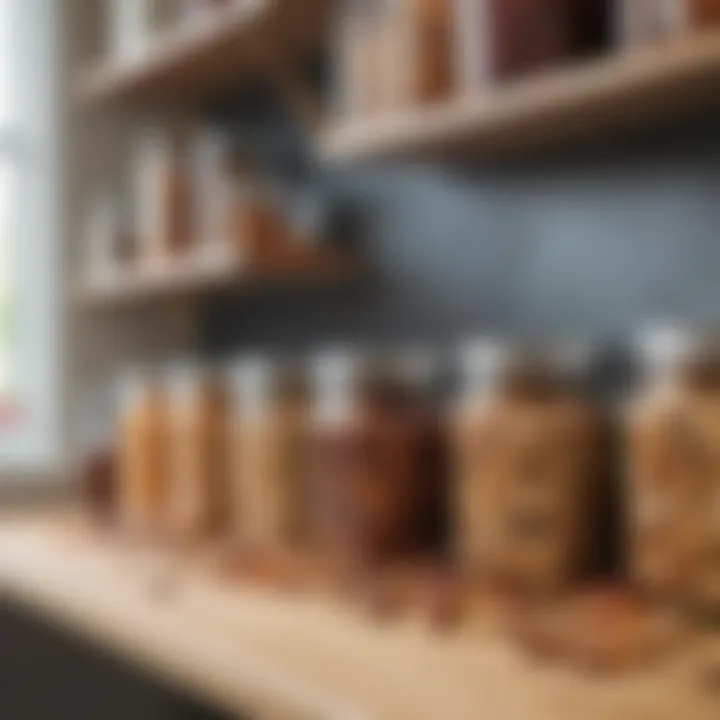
(630, 88)
(186, 278)
(198, 59)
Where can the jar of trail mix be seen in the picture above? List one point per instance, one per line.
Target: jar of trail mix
(526, 462)
(672, 467)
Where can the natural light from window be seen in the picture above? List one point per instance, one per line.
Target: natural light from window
(7, 148)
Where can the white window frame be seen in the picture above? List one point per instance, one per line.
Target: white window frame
(32, 448)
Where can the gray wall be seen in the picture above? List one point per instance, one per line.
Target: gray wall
(593, 241)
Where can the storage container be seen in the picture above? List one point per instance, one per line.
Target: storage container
(144, 454)
(200, 504)
(162, 195)
(673, 485)
(268, 449)
(641, 22)
(502, 39)
(377, 467)
(526, 469)
(393, 54)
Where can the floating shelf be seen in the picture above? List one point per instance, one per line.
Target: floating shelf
(596, 97)
(191, 277)
(197, 59)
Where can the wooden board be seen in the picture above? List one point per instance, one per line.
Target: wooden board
(304, 656)
(211, 54)
(632, 87)
(191, 277)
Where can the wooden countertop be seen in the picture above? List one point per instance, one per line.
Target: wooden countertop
(290, 656)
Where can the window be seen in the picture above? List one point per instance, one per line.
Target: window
(29, 348)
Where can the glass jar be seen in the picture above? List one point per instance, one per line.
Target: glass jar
(359, 54)
(526, 465)
(162, 195)
(269, 469)
(98, 459)
(259, 229)
(502, 39)
(673, 491)
(200, 456)
(212, 195)
(421, 36)
(377, 461)
(143, 446)
(641, 22)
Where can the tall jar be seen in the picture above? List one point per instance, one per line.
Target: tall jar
(673, 487)
(357, 60)
(143, 451)
(212, 196)
(420, 50)
(199, 459)
(268, 470)
(162, 195)
(525, 468)
(377, 463)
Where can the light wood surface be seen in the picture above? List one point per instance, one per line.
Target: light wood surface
(632, 87)
(192, 276)
(205, 56)
(303, 656)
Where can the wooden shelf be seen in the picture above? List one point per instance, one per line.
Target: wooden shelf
(600, 96)
(200, 58)
(191, 277)
(285, 655)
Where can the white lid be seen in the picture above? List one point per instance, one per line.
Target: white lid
(667, 347)
(184, 379)
(483, 361)
(132, 384)
(334, 375)
(253, 380)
